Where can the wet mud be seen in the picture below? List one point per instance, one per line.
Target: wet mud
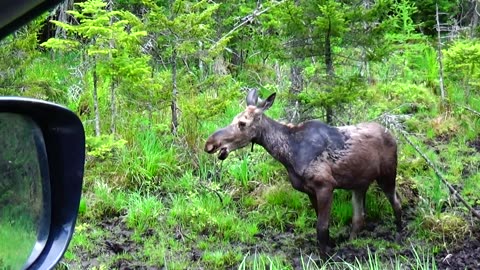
(464, 255)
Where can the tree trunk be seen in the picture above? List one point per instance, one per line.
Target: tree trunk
(149, 104)
(173, 105)
(364, 59)
(95, 98)
(296, 87)
(219, 66)
(440, 58)
(475, 15)
(237, 61)
(113, 107)
(201, 66)
(330, 72)
(62, 17)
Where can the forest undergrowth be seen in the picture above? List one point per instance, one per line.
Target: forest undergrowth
(151, 83)
(155, 200)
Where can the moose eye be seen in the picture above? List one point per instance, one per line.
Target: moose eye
(241, 124)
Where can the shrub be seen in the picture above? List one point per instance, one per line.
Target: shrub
(103, 147)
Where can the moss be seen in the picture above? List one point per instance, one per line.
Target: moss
(446, 226)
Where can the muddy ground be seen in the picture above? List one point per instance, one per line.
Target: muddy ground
(465, 254)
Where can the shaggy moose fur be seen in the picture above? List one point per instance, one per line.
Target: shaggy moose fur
(319, 158)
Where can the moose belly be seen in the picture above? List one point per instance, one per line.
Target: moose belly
(353, 172)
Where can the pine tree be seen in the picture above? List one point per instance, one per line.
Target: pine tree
(111, 41)
(182, 33)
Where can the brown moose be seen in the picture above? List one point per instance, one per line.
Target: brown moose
(319, 158)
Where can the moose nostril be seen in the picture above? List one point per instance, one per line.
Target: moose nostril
(209, 147)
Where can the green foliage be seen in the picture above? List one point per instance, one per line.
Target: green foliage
(444, 227)
(472, 184)
(206, 215)
(425, 17)
(189, 210)
(181, 27)
(221, 259)
(240, 170)
(423, 260)
(402, 19)
(331, 16)
(404, 93)
(149, 157)
(103, 147)
(18, 235)
(104, 202)
(83, 232)
(279, 206)
(262, 261)
(426, 66)
(343, 92)
(144, 212)
(283, 195)
(17, 55)
(111, 40)
(461, 63)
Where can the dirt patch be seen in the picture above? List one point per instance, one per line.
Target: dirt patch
(475, 144)
(118, 250)
(115, 247)
(466, 256)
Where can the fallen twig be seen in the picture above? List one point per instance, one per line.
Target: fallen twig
(471, 110)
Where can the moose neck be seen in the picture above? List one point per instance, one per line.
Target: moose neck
(274, 137)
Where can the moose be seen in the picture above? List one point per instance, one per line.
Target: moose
(318, 158)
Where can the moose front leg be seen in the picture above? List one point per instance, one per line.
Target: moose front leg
(313, 201)
(324, 196)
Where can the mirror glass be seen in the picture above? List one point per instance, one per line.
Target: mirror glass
(24, 191)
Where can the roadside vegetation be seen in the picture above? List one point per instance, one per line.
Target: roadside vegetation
(22, 193)
(151, 80)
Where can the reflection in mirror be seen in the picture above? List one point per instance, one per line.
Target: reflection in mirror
(24, 191)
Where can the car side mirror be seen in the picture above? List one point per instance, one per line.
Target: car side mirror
(42, 156)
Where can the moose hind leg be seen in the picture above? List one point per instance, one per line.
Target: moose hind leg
(392, 196)
(358, 219)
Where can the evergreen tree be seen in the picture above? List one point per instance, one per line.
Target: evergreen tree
(110, 40)
(182, 34)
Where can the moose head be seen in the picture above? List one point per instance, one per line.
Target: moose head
(244, 129)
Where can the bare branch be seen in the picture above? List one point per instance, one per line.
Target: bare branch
(250, 18)
(471, 110)
(392, 121)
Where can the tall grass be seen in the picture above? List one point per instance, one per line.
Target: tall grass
(18, 235)
(261, 262)
(240, 169)
(144, 212)
(421, 260)
(149, 159)
(104, 201)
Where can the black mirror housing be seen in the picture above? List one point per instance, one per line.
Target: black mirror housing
(64, 140)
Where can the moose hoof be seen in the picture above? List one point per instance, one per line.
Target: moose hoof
(398, 238)
(352, 236)
(325, 252)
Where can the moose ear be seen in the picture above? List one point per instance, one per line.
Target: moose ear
(252, 97)
(267, 103)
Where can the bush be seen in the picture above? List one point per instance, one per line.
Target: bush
(103, 147)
